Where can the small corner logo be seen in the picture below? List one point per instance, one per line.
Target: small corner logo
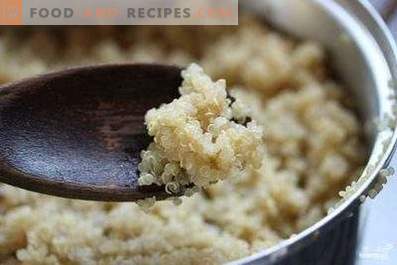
(10, 12)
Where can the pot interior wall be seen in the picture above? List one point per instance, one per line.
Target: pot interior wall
(354, 54)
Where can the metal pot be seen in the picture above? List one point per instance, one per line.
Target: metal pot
(364, 56)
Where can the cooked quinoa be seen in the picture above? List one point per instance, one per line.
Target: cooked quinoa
(312, 139)
(196, 139)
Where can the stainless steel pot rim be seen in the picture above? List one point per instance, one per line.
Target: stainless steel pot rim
(389, 50)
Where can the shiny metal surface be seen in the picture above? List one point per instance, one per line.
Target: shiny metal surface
(377, 242)
(364, 56)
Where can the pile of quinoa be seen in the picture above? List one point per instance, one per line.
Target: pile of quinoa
(312, 139)
(198, 139)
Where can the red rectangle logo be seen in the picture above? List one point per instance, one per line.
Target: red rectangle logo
(10, 12)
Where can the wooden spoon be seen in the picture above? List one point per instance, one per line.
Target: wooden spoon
(78, 133)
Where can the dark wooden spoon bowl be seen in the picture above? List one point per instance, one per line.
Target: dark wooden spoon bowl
(78, 133)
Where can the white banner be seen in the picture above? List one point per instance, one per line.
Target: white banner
(123, 12)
